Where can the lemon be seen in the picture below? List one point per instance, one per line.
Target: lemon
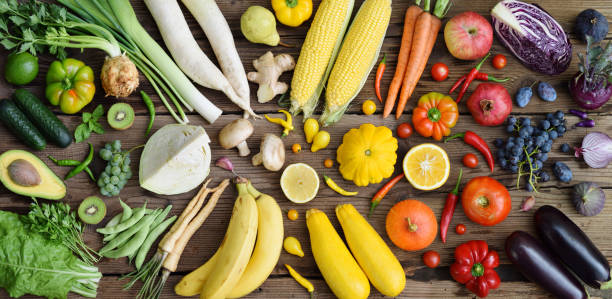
(300, 183)
(426, 166)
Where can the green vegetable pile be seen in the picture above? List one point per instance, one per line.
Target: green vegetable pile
(31, 263)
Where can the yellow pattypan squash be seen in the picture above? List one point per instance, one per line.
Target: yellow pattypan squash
(367, 155)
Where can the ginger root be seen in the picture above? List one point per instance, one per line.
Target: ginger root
(269, 68)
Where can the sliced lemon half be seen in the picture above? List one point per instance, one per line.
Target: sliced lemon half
(299, 182)
(426, 166)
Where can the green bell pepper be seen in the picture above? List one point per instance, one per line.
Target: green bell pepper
(70, 84)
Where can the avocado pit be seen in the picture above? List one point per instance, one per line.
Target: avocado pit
(23, 173)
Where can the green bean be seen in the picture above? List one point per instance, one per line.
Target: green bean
(149, 103)
(136, 240)
(83, 164)
(146, 245)
(127, 211)
(124, 225)
(70, 162)
(162, 216)
(125, 235)
(114, 221)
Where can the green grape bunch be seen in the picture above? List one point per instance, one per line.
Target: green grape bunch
(117, 171)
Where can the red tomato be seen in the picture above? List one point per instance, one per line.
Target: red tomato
(460, 229)
(486, 201)
(404, 130)
(470, 160)
(499, 61)
(431, 258)
(439, 71)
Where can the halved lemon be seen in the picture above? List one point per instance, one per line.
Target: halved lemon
(426, 166)
(299, 182)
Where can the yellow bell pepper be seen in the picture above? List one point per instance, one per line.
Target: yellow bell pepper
(292, 12)
(286, 124)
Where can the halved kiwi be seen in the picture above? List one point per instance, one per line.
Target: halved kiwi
(120, 116)
(92, 210)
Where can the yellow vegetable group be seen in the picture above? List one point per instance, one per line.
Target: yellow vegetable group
(367, 155)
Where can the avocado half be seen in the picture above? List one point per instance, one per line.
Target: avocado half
(49, 187)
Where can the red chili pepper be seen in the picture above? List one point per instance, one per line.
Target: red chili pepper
(379, 73)
(449, 208)
(474, 266)
(478, 143)
(383, 191)
(485, 77)
(470, 77)
(457, 84)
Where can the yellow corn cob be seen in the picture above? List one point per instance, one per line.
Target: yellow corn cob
(356, 58)
(318, 54)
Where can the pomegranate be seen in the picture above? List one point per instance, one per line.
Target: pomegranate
(490, 104)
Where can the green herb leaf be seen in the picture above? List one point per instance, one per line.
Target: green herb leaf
(86, 117)
(98, 112)
(81, 133)
(98, 128)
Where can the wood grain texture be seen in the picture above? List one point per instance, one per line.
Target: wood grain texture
(422, 282)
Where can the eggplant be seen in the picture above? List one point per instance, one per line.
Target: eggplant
(573, 247)
(532, 259)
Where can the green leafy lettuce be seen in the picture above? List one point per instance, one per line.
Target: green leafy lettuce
(33, 264)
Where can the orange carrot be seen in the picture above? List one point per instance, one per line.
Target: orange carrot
(425, 34)
(412, 14)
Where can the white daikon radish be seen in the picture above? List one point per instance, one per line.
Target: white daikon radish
(187, 53)
(176, 159)
(218, 32)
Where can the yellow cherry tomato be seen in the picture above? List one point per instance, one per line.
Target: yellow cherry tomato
(368, 107)
(296, 148)
(293, 246)
(293, 214)
(328, 163)
(311, 128)
(320, 141)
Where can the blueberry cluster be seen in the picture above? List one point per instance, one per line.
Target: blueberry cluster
(526, 151)
(117, 171)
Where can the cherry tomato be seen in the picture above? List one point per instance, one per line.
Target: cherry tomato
(292, 214)
(328, 163)
(296, 148)
(368, 107)
(470, 160)
(431, 258)
(499, 61)
(404, 130)
(486, 201)
(460, 229)
(439, 71)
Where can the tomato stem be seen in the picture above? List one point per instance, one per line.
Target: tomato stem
(434, 114)
(477, 270)
(482, 201)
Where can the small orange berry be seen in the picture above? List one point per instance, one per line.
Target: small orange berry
(292, 214)
(328, 163)
(296, 148)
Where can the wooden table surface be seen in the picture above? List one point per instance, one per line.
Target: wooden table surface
(422, 282)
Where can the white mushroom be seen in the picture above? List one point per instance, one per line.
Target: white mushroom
(235, 134)
(272, 153)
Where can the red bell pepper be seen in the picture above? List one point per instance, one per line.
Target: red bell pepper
(474, 266)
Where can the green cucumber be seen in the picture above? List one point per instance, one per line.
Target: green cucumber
(49, 125)
(20, 125)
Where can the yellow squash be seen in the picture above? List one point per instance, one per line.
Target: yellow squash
(371, 252)
(340, 270)
(367, 155)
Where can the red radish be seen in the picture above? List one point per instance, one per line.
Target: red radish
(490, 104)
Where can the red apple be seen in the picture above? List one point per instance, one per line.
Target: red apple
(468, 36)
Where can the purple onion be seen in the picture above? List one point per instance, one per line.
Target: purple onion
(588, 199)
(596, 150)
(587, 123)
(581, 114)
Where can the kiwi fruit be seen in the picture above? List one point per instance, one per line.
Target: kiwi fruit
(92, 210)
(120, 116)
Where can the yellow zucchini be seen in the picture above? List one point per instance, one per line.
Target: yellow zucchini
(371, 252)
(340, 270)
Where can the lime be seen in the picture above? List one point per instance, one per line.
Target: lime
(21, 68)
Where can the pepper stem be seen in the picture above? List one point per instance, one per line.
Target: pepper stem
(482, 61)
(291, 3)
(477, 270)
(456, 190)
(458, 135)
(411, 226)
(384, 60)
(373, 206)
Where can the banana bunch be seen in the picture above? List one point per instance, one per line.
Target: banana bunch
(241, 264)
